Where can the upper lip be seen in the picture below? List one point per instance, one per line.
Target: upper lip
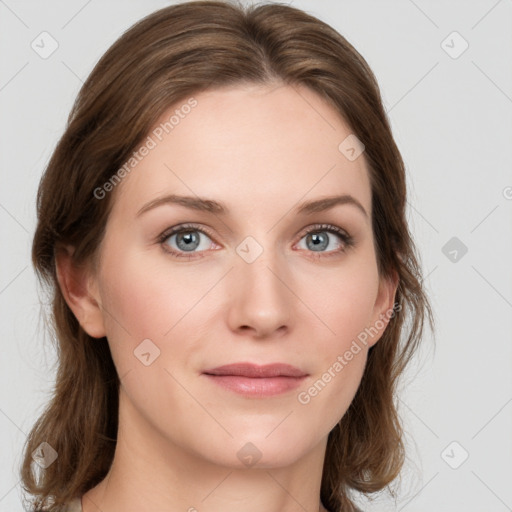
(257, 371)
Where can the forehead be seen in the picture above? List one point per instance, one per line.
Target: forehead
(249, 146)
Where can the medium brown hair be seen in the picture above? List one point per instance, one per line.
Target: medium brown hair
(164, 58)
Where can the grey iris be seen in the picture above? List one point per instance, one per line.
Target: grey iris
(319, 240)
(191, 239)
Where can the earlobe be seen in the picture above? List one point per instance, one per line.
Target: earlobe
(77, 286)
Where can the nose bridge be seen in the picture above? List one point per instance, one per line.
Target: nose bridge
(261, 300)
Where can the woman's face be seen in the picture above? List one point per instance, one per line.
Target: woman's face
(243, 282)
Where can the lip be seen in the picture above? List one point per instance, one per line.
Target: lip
(257, 371)
(257, 380)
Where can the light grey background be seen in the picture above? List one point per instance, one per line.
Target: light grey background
(452, 121)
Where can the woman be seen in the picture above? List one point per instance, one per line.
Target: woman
(223, 228)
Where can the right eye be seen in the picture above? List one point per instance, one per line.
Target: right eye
(186, 238)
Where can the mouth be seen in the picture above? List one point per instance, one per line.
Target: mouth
(257, 381)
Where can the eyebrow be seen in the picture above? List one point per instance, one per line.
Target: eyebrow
(215, 207)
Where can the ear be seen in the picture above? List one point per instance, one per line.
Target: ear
(79, 289)
(384, 307)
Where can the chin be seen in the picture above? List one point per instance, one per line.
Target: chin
(253, 449)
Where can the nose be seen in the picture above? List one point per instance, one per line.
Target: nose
(261, 300)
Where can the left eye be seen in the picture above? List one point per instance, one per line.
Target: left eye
(319, 240)
(188, 239)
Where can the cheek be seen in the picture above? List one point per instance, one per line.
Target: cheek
(344, 308)
(341, 352)
(144, 299)
(343, 303)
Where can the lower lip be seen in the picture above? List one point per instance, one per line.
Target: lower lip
(257, 387)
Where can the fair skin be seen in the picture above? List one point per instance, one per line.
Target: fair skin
(261, 151)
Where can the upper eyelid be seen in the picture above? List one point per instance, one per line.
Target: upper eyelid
(319, 226)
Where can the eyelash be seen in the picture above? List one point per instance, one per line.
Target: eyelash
(346, 239)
